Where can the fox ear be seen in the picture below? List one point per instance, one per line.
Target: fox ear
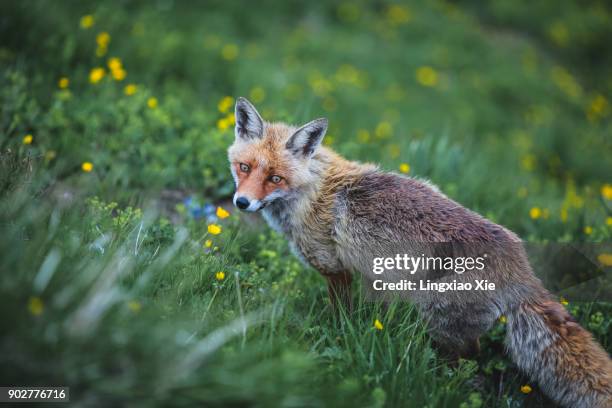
(306, 139)
(249, 125)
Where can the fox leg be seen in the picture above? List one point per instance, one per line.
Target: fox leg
(456, 330)
(455, 349)
(339, 289)
(473, 349)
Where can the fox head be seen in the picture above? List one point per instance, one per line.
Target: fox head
(271, 161)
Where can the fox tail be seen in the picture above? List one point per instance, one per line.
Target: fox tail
(550, 347)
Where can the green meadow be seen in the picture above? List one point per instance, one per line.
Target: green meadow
(127, 274)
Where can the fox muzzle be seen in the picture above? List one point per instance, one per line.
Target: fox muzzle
(245, 204)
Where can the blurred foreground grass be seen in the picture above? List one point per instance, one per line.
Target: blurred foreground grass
(141, 297)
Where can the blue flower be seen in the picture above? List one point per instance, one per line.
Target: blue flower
(209, 209)
(195, 210)
(193, 207)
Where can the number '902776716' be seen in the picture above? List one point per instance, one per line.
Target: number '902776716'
(34, 394)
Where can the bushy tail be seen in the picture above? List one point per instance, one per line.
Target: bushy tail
(549, 346)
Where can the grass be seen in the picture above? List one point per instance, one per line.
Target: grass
(110, 279)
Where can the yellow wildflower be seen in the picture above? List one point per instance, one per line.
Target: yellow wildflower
(347, 73)
(87, 167)
(96, 75)
(257, 94)
(566, 82)
(609, 221)
(63, 82)
(103, 39)
(605, 259)
(528, 162)
(598, 108)
(599, 104)
(588, 230)
(208, 243)
(394, 150)
(427, 76)
(214, 229)
(27, 139)
(134, 306)
(220, 275)
(535, 213)
(378, 325)
(606, 191)
(563, 214)
(152, 102)
(119, 74)
(321, 86)
(101, 51)
(225, 104)
(50, 155)
(503, 319)
(87, 21)
(35, 306)
(404, 168)
(116, 68)
(130, 89)
(114, 63)
(559, 33)
(383, 130)
(363, 136)
(397, 14)
(222, 213)
(223, 124)
(563, 301)
(526, 389)
(229, 52)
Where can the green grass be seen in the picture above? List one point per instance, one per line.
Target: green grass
(107, 285)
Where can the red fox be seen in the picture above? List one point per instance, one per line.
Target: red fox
(338, 215)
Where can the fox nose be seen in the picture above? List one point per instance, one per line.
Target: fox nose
(242, 203)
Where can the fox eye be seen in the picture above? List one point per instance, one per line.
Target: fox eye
(244, 167)
(276, 179)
